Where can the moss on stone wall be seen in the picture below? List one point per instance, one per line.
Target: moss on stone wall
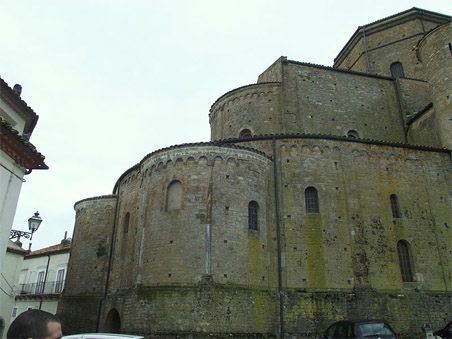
(314, 241)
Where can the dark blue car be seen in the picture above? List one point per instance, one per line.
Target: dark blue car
(360, 329)
(445, 332)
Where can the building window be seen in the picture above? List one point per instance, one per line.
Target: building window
(253, 211)
(174, 196)
(126, 223)
(395, 206)
(245, 133)
(405, 262)
(59, 283)
(14, 314)
(397, 70)
(312, 200)
(40, 282)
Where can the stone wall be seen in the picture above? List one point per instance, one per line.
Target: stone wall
(274, 73)
(386, 45)
(200, 310)
(88, 264)
(435, 54)
(308, 314)
(91, 246)
(184, 262)
(256, 108)
(352, 241)
(319, 100)
(165, 246)
(414, 96)
(382, 52)
(422, 130)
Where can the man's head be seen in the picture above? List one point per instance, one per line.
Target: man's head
(35, 324)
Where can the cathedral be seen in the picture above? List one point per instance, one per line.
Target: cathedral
(324, 194)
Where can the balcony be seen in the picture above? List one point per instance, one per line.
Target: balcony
(53, 288)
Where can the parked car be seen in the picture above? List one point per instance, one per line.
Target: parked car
(445, 332)
(101, 336)
(360, 329)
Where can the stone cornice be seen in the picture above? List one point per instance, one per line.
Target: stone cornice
(187, 145)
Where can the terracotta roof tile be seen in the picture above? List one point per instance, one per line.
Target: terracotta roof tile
(49, 250)
(19, 148)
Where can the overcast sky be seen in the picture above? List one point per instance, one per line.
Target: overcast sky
(113, 80)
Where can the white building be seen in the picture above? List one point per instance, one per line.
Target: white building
(17, 155)
(14, 256)
(32, 280)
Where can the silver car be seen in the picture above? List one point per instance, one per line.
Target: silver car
(102, 336)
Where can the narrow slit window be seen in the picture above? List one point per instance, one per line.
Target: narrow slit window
(126, 223)
(395, 207)
(253, 211)
(405, 261)
(397, 70)
(312, 200)
(352, 134)
(245, 133)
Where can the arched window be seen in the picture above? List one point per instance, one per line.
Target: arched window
(397, 70)
(312, 200)
(174, 196)
(395, 206)
(405, 261)
(253, 211)
(126, 223)
(245, 133)
(352, 134)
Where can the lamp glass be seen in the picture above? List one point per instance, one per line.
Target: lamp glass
(34, 222)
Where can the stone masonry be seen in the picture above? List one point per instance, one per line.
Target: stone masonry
(324, 194)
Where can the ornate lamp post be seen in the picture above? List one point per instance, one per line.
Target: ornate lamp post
(33, 225)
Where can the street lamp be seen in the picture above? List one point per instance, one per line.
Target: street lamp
(33, 225)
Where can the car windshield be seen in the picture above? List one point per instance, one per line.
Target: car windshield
(369, 329)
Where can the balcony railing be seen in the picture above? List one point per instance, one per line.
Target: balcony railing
(41, 288)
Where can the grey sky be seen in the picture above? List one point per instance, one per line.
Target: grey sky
(113, 80)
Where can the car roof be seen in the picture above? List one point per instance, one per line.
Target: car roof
(359, 321)
(102, 336)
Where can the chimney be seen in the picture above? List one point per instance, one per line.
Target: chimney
(17, 89)
(65, 241)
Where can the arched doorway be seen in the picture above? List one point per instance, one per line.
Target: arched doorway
(112, 322)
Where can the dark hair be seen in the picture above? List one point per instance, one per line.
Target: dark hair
(31, 324)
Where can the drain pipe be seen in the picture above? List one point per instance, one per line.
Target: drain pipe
(110, 260)
(208, 240)
(45, 279)
(278, 238)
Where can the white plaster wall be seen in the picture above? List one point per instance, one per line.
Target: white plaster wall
(33, 264)
(27, 275)
(11, 178)
(9, 275)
